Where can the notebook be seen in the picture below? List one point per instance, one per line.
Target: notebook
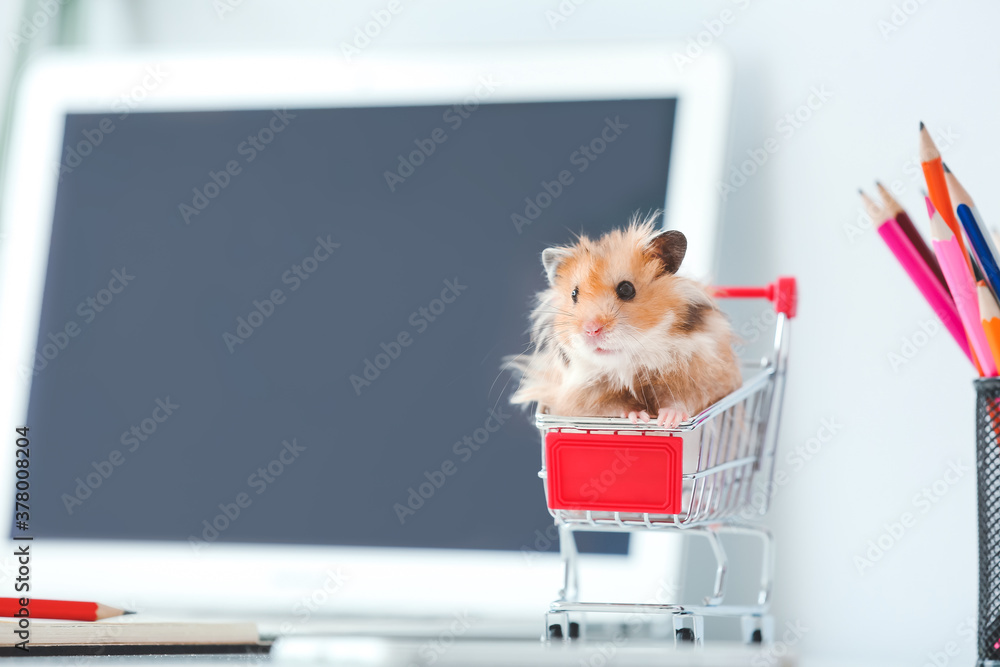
(62, 633)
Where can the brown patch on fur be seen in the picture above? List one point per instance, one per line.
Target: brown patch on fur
(694, 318)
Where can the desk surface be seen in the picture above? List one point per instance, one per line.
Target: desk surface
(376, 652)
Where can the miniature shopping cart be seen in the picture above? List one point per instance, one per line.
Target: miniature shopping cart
(708, 476)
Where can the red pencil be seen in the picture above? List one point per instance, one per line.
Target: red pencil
(70, 611)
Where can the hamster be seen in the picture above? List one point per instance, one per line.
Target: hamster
(619, 334)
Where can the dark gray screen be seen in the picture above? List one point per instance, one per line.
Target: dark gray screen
(160, 402)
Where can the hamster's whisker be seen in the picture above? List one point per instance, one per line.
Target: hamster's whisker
(505, 385)
(554, 312)
(508, 365)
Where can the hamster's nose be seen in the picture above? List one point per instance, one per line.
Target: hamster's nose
(593, 328)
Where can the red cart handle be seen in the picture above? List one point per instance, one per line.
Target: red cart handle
(782, 292)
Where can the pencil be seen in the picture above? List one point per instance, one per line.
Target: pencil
(933, 292)
(983, 249)
(977, 274)
(963, 289)
(937, 187)
(990, 314)
(70, 611)
(931, 213)
(897, 212)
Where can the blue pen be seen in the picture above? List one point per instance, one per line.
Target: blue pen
(982, 249)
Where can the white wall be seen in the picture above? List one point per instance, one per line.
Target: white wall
(901, 428)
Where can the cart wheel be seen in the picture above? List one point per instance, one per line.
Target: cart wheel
(574, 630)
(757, 629)
(685, 635)
(555, 631)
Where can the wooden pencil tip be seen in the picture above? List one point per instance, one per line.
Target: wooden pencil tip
(928, 151)
(126, 612)
(874, 211)
(921, 125)
(930, 207)
(946, 169)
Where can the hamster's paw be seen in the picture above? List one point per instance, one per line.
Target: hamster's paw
(635, 416)
(670, 417)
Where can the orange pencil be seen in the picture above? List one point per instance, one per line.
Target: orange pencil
(937, 187)
(989, 311)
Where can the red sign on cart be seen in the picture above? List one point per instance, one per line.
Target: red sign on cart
(614, 473)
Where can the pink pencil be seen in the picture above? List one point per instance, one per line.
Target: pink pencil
(962, 286)
(919, 273)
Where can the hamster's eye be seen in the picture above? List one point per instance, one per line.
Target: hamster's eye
(575, 293)
(625, 290)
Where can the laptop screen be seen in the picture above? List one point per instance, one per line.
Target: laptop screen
(287, 326)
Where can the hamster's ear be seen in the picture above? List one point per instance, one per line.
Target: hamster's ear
(551, 259)
(669, 247)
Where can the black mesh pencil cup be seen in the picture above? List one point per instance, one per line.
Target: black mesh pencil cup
(988, 500)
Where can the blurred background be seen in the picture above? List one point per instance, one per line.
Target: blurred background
(876, 410)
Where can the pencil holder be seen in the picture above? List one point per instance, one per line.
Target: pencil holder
(988, 501)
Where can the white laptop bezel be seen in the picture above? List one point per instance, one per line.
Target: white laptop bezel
(278, 579)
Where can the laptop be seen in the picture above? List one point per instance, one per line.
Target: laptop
(255, 308)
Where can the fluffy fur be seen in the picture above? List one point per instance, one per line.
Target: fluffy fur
(665, 352)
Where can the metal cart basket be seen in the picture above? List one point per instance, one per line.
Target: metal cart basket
(710, 475)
